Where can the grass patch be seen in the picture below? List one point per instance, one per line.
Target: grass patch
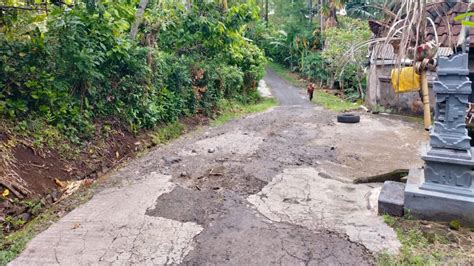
(229, 110)
(427, 243)
(333, 102)
(284, 73)
(12, 245)
(167, 133)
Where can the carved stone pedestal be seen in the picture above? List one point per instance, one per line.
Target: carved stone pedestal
(435, 205)
(444, 191)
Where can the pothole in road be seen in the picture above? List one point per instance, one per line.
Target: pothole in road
(237, 143)
(232, 177)
(184, 205)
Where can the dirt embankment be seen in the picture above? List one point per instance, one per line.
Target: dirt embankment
(32, 178)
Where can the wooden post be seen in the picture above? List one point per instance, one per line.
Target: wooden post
(426, 99)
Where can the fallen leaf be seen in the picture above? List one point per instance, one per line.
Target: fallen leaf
(117, 154)
(61, 184)
(5, 193)
(88, 182)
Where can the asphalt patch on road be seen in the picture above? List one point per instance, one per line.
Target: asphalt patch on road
(235, 233)
(185, 205)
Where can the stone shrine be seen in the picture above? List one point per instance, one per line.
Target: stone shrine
(444, 190)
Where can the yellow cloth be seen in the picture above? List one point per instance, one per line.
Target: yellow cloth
(405, 80)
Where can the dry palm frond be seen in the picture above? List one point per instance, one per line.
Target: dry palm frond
(406, 28)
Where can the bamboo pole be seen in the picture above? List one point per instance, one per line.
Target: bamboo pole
(423, 74)
(426, 99)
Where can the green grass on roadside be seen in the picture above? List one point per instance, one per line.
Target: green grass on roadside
(322, 98)
(333, 102)
(230, 110)
(12, 245)
(167, 133)
(421, 245)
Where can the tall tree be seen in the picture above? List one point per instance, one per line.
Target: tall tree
(138, 18)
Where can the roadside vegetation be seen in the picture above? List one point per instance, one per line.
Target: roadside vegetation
(229, 110)
(84, 85)
(310, 39)
(429, 243)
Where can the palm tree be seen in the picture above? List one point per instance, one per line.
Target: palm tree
(328, 12)
(371, 9)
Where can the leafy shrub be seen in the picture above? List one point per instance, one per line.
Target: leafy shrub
(315, 68)
(77, 64)
(346, 63)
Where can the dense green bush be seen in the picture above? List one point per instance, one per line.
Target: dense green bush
(345, 62)
(315, 67)
(78, 64)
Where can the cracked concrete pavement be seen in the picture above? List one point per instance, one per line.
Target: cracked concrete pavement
(269, 188)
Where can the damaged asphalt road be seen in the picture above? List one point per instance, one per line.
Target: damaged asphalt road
(270, 188)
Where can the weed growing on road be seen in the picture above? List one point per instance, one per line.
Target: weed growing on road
(12, 245)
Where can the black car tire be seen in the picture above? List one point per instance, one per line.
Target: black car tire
(348, 118)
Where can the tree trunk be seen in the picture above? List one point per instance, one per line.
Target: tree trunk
(224, 5)
(310, 9)
(321, 15)
(331, 21)
(266, 11)
(138, 18)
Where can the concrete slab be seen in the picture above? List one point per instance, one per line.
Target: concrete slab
(112, 228)
(391, 199)
(301, 196)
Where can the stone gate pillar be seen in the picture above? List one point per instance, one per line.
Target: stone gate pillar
(444, 189)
